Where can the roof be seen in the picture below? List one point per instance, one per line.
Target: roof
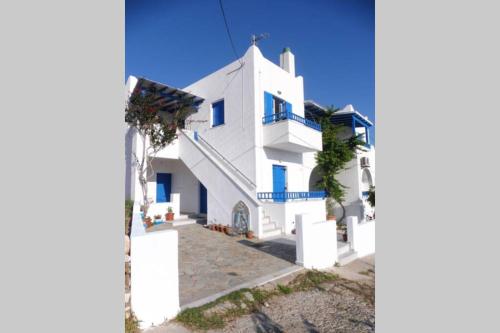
(169, 98)
(345, 116)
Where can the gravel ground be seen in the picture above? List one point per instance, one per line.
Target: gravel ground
(344, 306)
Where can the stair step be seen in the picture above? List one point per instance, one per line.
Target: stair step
(272, 233)
(268, 226)
(342, 248)
(179, 222)
(347, 257)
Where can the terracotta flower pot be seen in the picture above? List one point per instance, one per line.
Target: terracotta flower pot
(211, 227)
(169, 216)
(224, 229)
(331, 217)
(228, 231)
(148, 221)
(249, 234)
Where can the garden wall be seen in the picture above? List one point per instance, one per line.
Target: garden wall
(361, 236)
(154, 273)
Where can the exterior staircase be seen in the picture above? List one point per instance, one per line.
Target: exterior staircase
(181, 220)
(270, 228)
(345, 254)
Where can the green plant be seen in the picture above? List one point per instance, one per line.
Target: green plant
(155, 128)
(371, 196)
(170, 210)
(337, 152)
(129, 206)
(284, 289)
(132, 324)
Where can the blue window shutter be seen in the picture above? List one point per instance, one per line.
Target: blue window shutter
(218, 113)
(221, 112)
(288, 107)
(268, 105)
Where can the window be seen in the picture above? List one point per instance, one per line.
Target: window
(218, 113)
(275, 106)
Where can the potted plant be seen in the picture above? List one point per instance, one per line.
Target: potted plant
(330, 215)
(211, 227)
(249, 234)
(229, 231)
(224, 229)
(149, 221)
(170, 214)
(157, 217)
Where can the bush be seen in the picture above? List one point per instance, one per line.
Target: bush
(129, 207)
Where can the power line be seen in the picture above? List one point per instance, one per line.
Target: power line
(228, 32)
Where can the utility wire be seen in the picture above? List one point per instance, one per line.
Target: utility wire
(228, 32)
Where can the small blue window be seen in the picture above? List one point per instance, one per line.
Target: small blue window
(218, 113)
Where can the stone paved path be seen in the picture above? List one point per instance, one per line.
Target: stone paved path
(211, 262)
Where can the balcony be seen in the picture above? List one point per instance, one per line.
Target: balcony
(291, 132)
(288, 196)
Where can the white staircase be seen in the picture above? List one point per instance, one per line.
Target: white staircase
(270, 228)
(180, 220)
(223, 181)
(345, 254)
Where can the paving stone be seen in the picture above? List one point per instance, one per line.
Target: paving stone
(206, 259)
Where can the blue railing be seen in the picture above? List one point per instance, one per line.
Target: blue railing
(275, 117)
(285, 196)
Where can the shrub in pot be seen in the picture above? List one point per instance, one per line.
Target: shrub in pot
(149, 221)
(170, 214)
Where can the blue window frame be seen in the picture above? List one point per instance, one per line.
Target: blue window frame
(218, 113)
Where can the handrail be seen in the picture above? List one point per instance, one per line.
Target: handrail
(199, 138)
(275, 117)
(284, 196)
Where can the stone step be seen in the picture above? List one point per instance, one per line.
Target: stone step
(180, 222)
(272, 233)
(347, 257)
(342, 248)
(268, 226)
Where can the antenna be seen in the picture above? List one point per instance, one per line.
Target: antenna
(254, 39)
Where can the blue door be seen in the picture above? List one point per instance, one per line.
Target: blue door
(268, 107)
(163, 187)
(279, 182)
(203, 199)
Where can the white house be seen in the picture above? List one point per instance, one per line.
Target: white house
(245, 156)
(359, 174)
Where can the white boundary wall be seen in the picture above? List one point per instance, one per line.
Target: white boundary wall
(361, 236)
(316, 243)
(154, 273)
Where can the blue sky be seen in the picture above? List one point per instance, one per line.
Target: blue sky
(178, 42)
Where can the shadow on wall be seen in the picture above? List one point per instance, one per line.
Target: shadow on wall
(281, 155)
(280, 248)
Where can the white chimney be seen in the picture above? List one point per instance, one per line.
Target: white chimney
(287, 61)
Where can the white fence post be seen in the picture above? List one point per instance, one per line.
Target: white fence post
(316, 242)
(361, 236)
(154, 274)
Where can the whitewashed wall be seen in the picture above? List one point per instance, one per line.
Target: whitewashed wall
(224, 190)
(284, 213)
(154, 273)
(183, 182)
(235, 140)
(361, 236)
(316, 242)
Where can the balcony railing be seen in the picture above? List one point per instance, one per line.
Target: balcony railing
(292, 116)
(286, 196)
